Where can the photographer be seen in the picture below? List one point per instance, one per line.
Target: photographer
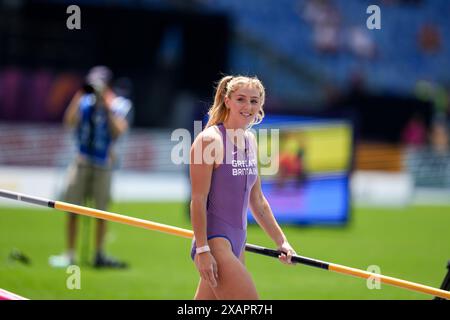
(99, 118)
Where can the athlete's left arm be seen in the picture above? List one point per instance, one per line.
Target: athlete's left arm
(263, 214)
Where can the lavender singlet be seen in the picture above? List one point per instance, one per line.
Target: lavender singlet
(229, 193)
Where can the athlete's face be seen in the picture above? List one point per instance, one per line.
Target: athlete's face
(243, 104)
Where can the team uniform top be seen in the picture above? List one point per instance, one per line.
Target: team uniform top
(229, 195)
(93, 133)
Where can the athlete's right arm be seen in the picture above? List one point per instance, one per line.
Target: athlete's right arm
(200, 173)
(71, 116)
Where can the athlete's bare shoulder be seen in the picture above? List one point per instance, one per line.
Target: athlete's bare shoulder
(209, 135)
(208, 145)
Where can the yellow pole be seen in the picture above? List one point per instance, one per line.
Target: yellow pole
(390, 280)
(63, 206)
(135, 222)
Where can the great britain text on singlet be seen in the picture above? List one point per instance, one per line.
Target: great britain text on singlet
(244, 167)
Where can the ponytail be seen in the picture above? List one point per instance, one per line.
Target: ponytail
(218, 112)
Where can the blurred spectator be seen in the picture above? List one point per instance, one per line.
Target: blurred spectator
(325, 19)
(317, 11)
(292, 166)
(429, 38)
(292, 161)
(326, 38)
(415, 133)
(360, 42)
(439, 138)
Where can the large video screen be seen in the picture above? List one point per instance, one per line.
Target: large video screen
(311, 185)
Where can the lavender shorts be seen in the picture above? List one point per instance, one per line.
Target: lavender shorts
(217, 227)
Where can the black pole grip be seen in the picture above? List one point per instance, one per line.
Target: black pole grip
(295, 258)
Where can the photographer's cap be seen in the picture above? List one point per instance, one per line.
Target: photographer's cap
(99, 77)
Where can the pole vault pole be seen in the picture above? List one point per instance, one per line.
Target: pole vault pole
(63, 206)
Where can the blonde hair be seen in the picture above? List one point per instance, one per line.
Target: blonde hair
(218, 112)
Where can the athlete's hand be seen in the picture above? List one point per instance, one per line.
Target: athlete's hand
(287, 253)
(207, 267)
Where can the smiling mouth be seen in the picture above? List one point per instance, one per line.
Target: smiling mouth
(246, 114)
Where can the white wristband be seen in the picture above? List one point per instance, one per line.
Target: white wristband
(202, 249)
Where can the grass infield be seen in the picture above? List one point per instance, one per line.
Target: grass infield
(411, 243)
